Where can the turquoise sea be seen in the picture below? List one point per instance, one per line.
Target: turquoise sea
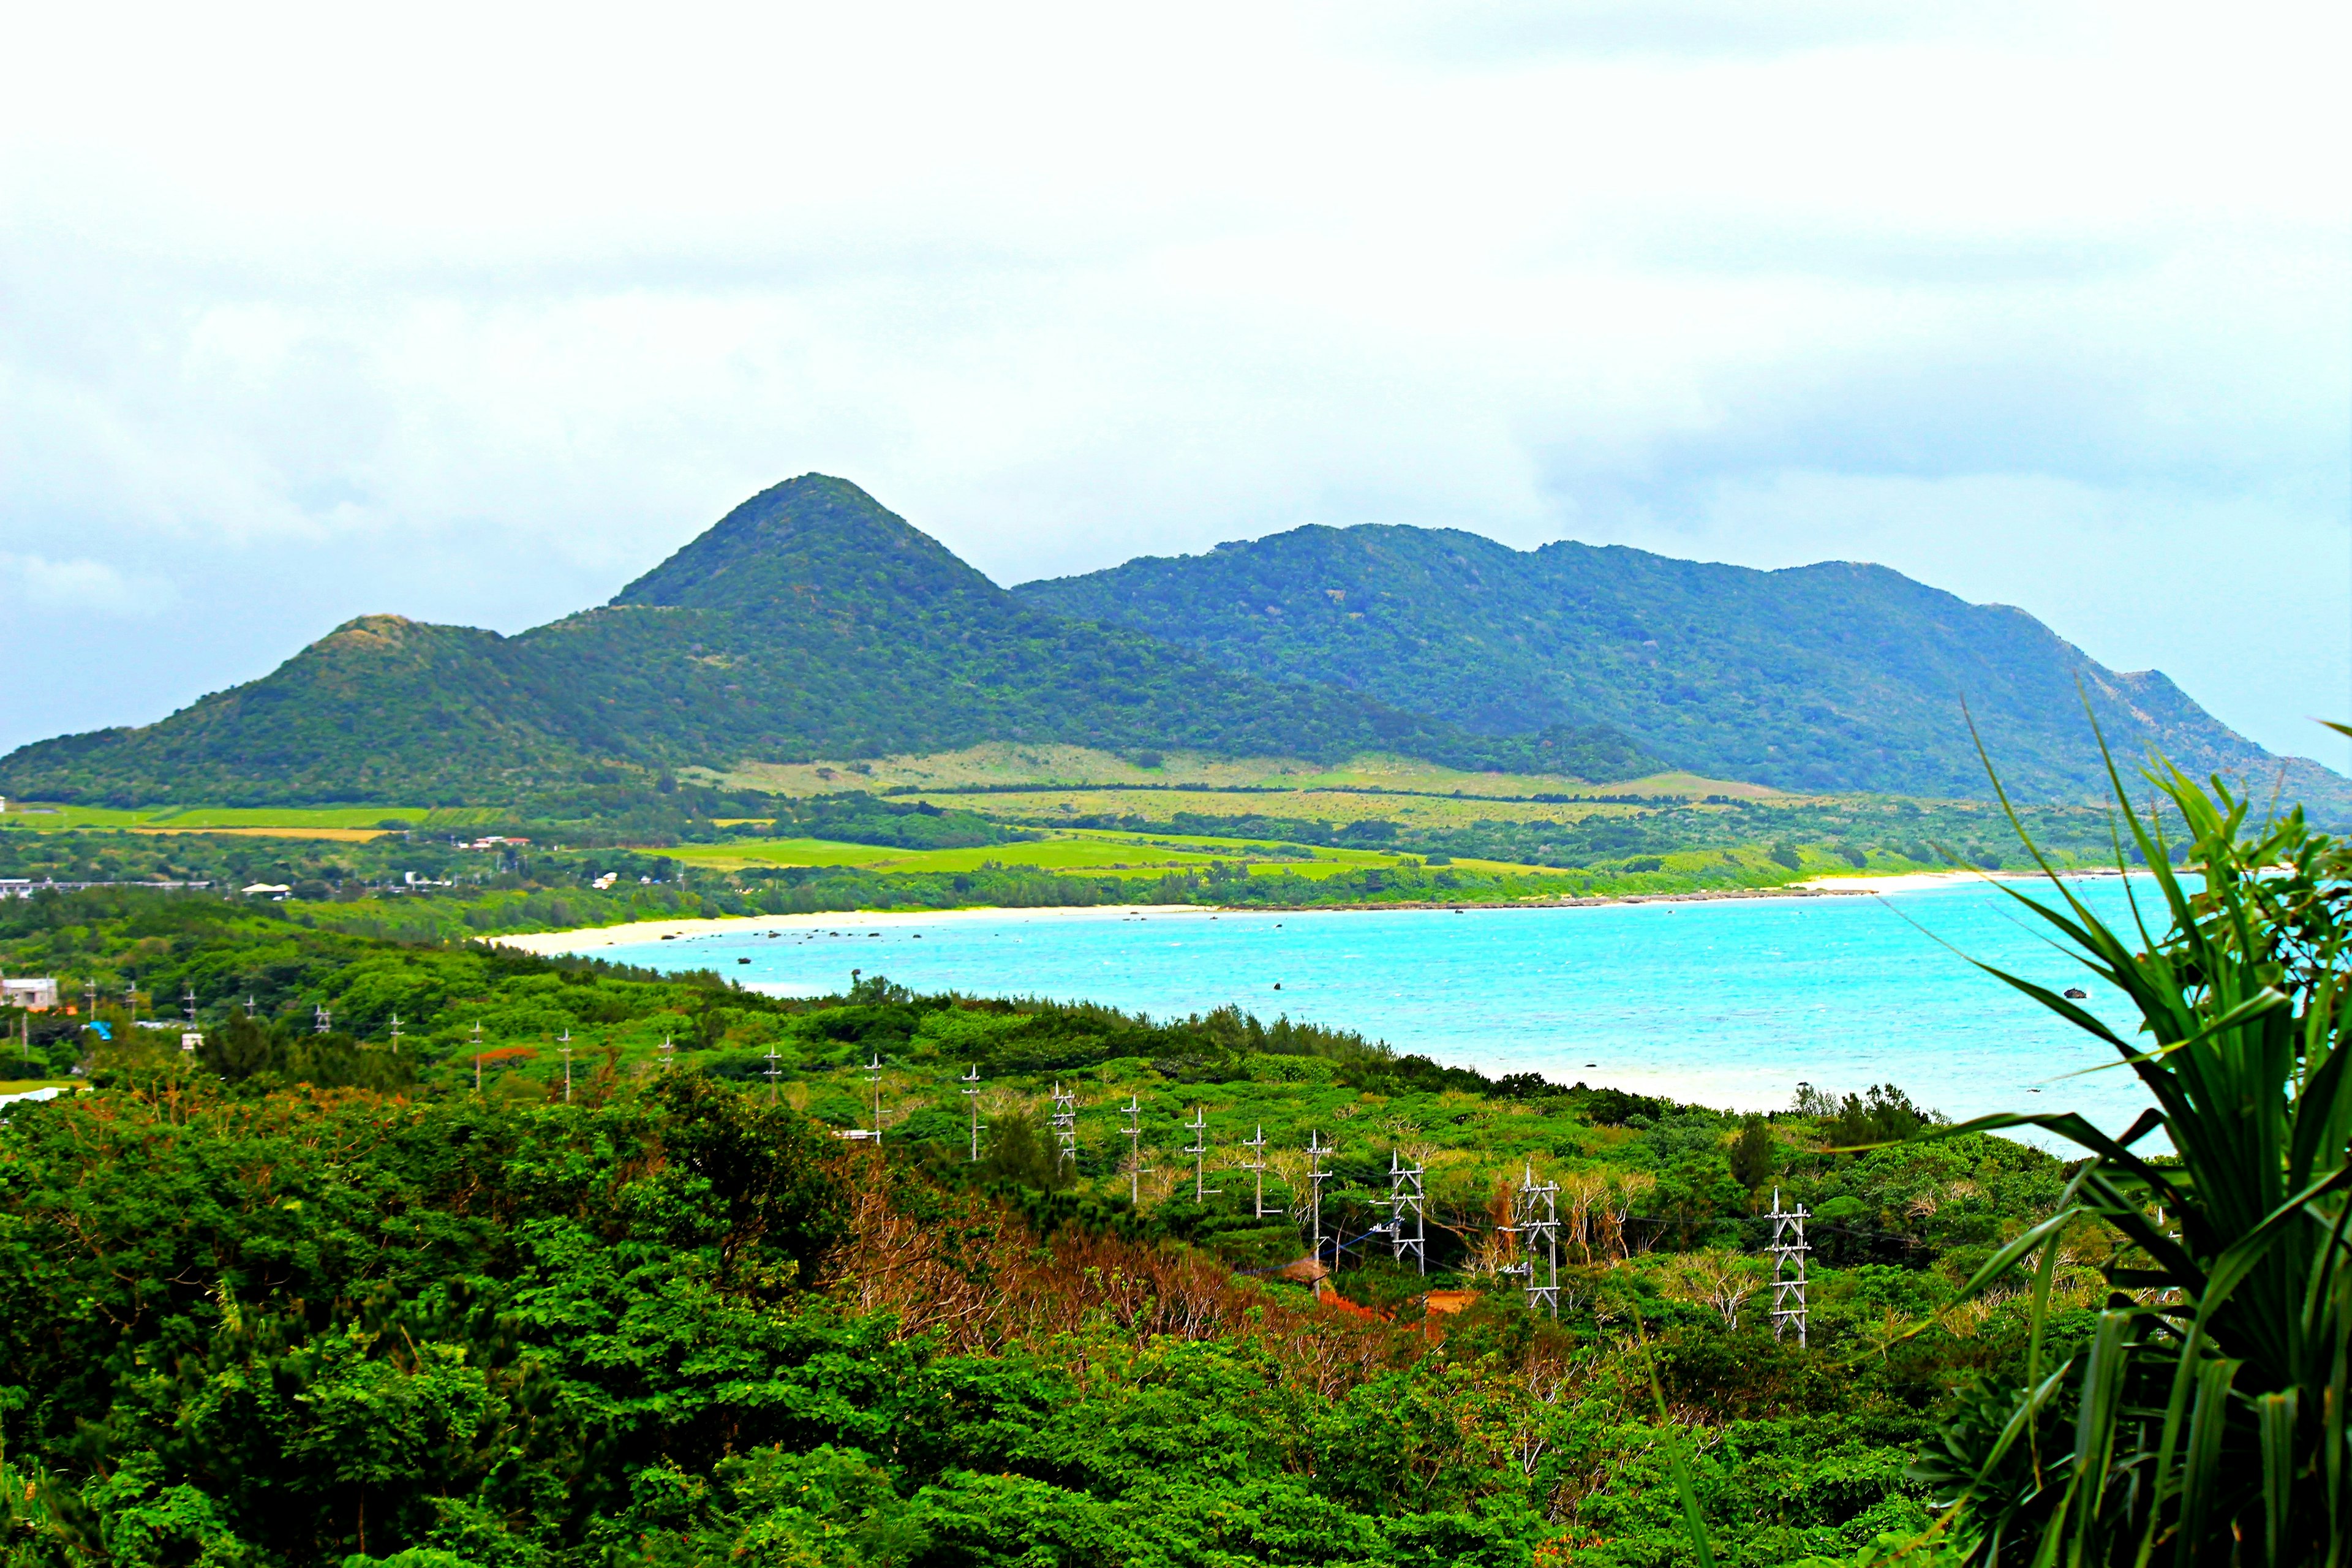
(1730, 1003)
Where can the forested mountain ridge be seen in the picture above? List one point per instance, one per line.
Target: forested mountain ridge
(809, 622)
(1831, 677)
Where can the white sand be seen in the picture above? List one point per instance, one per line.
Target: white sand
(592, 938)
(1915, 881)
(546, 942)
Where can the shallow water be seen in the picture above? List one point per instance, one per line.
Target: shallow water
(1730, 1003)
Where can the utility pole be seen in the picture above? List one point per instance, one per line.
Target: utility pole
(1256, 1166)
(1787, 1250)
(1405, 1192)
(972, 1093)
(772, 1070)
(873, 1071)
(564, 1045)
(1316, 1175)
(477, 1057)
(1200, 1152)
(1065, 1125)
(1134, 1109)
(1535, 1213)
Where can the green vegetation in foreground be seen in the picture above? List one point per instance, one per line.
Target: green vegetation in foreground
(308, 1298)
(749, 1337)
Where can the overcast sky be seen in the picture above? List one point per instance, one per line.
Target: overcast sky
(474, 316)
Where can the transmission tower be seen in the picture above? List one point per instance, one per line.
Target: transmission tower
(477, 1057)
(131, 999)
(321, 1020)
(1065, 1126)
(395, 1027)
(564, 1045)
(1535, 1215)
(1787, 1250)
(89, 999)
(1200, 1152)
(1135, 1166)
(188, 1006)
(972, 1093)
(772, 1058)
(873, 1071)
(1315, 1176)
(1405, 1194)
(669, 1053)
(1255, 1166)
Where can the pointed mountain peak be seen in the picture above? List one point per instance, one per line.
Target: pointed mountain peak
(813, 534)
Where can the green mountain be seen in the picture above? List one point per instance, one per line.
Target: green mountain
(1832, 677)
(809, 622)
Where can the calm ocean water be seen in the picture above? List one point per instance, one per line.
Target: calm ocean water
(1729, 1003)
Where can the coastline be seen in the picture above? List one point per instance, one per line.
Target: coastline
(546, 943)
(586, 939)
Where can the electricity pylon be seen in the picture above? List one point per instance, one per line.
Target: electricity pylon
(1787, 1250)
(1535, 1214)
(1065, 1126)
(1405, 1194)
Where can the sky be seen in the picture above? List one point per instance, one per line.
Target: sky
(473, 314)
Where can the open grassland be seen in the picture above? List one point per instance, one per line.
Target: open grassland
(290, 821)
(1097, 852)
(1337, 806)
(998, 765)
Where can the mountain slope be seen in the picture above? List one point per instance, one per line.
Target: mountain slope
(808, 622)
(1835, 676)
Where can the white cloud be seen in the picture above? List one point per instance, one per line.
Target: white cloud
(475, 314)
(38, 589)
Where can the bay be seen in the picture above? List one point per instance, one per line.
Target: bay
(1730, 1002)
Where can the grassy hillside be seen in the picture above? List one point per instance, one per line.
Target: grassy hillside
(808, 623)
(1832, 677)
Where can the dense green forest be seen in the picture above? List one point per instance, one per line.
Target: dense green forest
(571, 1268)
(809, 622)
(1834, 677)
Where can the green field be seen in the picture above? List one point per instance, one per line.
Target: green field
(194, 818)
(1099, 852)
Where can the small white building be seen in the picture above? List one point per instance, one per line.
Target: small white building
(40, 994)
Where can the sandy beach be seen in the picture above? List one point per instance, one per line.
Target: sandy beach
(589, 939)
